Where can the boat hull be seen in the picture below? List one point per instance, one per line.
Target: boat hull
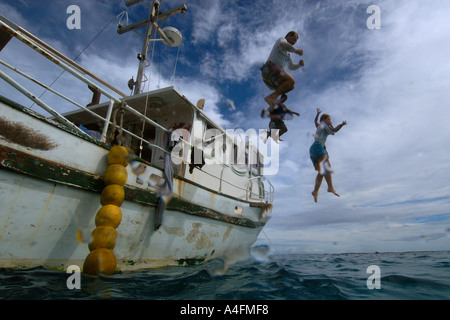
(50, 194)
(49, 224)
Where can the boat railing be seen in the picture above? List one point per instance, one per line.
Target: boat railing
(247, 192)
(75, 70)
(107, 121)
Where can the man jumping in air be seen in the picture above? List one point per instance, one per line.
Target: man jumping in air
(273, 73)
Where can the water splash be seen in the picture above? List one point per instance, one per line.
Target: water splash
(84, 235)
(318, 5)
(216, 267)
(261, 252)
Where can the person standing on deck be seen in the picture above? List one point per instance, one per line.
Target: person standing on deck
(273, 73)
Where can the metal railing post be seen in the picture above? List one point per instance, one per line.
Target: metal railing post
(108, 119)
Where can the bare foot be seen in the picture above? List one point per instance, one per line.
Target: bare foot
(333, 191)
(315, 196)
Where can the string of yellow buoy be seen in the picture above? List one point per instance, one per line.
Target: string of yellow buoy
(101, 258)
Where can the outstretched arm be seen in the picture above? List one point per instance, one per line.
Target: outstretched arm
(316, 119)
(293, 112)
(339, 126)
(292, 66)
(286, 46)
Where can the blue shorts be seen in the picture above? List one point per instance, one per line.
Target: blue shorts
(316, 151)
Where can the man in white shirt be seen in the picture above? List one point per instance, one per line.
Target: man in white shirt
(273, 73)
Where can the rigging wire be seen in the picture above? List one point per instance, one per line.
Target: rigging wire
(270, 241)
(175, 67)
(82, 51)
(148, 87)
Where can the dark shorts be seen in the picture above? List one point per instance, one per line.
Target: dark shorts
(316, 151)
(278, 124)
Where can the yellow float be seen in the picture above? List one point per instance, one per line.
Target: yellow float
(118, 155)
(101, 258)
(100, 261)
(112, 194)
(103, 237)
(108, 216)
(115, 174)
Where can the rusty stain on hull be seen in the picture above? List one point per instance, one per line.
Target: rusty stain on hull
(227, 233)
(176, 231)
(193, 233)
(17, 133)
(202, 240)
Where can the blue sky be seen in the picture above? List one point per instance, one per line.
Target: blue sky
(391, 165)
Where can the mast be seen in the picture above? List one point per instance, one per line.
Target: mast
(170, 36)
(143, 55)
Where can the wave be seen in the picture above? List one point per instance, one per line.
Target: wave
(270, 277)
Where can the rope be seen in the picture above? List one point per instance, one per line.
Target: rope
(175, 67)
(270, 241)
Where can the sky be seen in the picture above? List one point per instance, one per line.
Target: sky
(390, 162)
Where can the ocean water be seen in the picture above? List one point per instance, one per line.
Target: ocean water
(397, 276)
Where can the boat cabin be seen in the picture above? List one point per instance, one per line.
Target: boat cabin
(200, 150)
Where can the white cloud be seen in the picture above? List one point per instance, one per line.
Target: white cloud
(195, 90)
(207, 20)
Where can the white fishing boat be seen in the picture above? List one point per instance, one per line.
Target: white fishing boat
(191, 192)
